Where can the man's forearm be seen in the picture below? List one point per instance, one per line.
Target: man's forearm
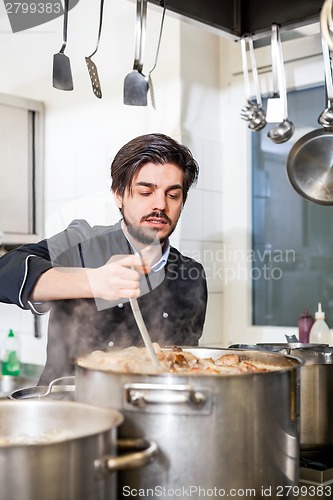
(62, 283)
(116, 279)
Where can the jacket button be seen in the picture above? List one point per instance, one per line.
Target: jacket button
(120, 305)
(165, 315)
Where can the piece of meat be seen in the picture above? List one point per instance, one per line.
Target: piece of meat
(228, 360)
(246, 366)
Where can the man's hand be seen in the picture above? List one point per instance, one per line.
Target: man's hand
(117, 279)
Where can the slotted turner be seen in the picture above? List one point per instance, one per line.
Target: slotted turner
(92, 69)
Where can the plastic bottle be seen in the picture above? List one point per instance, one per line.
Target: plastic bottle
(305, 322)
(11, 355)
(320, 332)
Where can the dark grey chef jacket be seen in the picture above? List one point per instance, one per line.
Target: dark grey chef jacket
(173, 303)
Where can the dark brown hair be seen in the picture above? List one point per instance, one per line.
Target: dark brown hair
(152, 148)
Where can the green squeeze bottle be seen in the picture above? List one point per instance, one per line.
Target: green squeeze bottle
(11, 355)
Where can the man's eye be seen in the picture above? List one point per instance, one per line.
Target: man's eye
(174, 196)
(145, 193)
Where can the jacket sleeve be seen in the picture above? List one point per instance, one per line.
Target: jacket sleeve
(21, 268)
(19, 271)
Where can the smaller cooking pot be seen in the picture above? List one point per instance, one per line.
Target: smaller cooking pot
(316, 390)
(62, 450)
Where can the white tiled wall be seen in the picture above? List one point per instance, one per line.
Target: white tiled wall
(201, 226)
(82, 133)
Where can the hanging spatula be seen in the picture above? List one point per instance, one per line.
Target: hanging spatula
(62, 73)
(135, 83)
(93, 73)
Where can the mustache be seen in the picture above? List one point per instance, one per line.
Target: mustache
(158, 215)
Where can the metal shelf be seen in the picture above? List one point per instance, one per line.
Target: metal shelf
(236, 18)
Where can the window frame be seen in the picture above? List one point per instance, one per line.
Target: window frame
(35, 204)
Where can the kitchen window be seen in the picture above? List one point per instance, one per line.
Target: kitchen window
(292, 238)
(247, 308)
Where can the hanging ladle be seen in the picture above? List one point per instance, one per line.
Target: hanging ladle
(259, 120)
(248, 109)
(93, 73)
(135, 83)
(283, 131)
(253, 112)
(326, 117)
(149, 80)
(62, 74)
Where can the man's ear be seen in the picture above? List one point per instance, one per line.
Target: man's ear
(118, 199)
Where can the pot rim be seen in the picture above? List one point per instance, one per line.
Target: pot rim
(110, 419)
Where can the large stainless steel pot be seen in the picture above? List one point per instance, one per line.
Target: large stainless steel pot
(316, 391)
(78, 466)
(213, 432)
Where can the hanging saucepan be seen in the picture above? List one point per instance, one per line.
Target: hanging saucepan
(310, 160)
(309, 166)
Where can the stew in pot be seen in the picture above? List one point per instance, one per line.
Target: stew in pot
(175, 360)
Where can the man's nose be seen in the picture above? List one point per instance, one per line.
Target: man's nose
(159, 201)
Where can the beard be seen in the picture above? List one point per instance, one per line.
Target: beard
(146, 235)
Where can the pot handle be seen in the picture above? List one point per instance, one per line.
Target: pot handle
(147, 451)
(55, 383)
(144, 394)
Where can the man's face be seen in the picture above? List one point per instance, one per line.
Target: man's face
(151, 211)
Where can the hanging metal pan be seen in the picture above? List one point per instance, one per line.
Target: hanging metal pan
(310, 166)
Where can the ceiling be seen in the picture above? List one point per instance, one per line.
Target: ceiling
(235, 18)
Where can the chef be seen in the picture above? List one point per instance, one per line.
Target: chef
(86, 275)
